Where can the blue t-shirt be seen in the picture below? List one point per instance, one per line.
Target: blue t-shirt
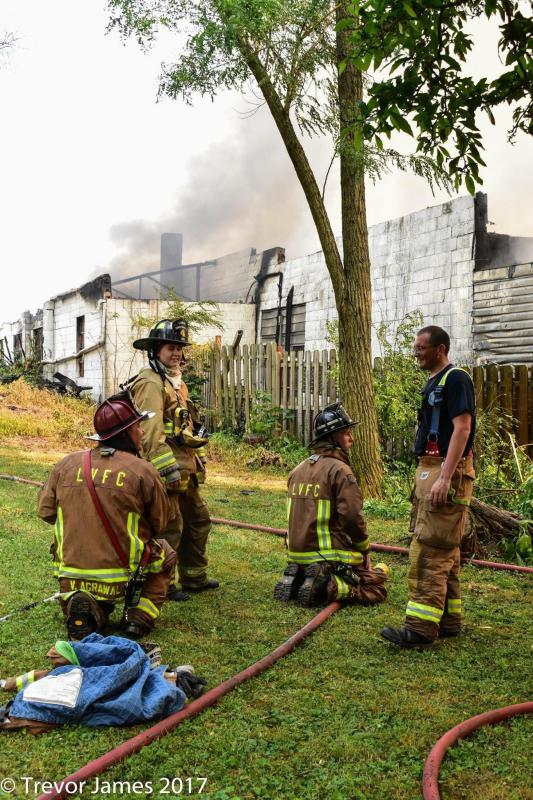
(458, 397)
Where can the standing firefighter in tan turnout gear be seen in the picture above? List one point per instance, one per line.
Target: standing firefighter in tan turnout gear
(328, 546)
(443, 489)
(96, 567)
(174, 442)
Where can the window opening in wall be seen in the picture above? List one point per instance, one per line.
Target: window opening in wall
(18, 350)
(37, 344)
(296, 338)
(80, 343)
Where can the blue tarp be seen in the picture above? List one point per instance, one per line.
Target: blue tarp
(118, 687)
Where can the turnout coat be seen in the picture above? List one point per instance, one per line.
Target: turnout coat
(324, 507)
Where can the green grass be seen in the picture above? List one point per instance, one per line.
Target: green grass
(345, 717)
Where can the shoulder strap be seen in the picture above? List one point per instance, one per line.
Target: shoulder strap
(435, 400)
(452, 369)
(103, 517)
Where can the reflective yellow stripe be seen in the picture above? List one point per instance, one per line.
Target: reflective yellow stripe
(58, 532)
(192, 572)
(164, 460)
(169, 428)
(136, 544)
(117, 575)
(343, 589)
(148, 607)
(429, 613)
(201, 452)
(157, 564)
(312, 556)
(453, 369)
(453, 606)
(288, 508)
(322, 524)
(460, 501)
(24, 680)
(362, 546)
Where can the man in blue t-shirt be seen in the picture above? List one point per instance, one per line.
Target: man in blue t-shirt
(443, 489)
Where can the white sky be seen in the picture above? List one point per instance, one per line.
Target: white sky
(85, 148)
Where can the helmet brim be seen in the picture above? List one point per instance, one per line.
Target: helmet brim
(98, 437)
(321, 438)
(148, 343)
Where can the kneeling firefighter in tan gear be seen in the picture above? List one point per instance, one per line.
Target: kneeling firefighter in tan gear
(174, 442)
(443, 489)
(328, 546)
(108, 505)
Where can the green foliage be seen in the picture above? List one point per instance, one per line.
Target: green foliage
(397, 384)
(420, 50)
(198, 315)
(266, 419)
(277, 455)
(203, 314)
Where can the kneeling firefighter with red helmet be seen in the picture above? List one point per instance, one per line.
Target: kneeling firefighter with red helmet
(174, 442)
(108, 505)
(328, 546)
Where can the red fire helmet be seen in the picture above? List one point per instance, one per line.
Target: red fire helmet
(114, 416)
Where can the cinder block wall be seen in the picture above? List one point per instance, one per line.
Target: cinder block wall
(423, 260)
(124, 323)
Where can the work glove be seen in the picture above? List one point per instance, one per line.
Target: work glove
(190, 684)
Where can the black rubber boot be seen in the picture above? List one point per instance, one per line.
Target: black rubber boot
(176, 594)
(134, 630)
(205, 587)
(448, 634)
(313, 591)
(288, 586)
(405, 637)
(80, 620)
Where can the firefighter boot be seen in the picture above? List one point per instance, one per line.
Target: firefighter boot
(405, 637)
(82, 615)
(134, 630)
(288, 586)
(313, 591)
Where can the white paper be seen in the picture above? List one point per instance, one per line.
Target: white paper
(56, 690)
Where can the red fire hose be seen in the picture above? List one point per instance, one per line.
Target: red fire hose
(133, 745)
(380, 548)
(433, 762)
(430, 780)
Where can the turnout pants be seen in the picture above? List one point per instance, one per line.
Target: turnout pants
(369, 590)
(104, 595)
(434, 605)
(187, 534)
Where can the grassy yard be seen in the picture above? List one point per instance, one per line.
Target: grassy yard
(345, 717)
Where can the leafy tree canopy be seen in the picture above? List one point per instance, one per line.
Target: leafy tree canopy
(288, 47)
(422, 48)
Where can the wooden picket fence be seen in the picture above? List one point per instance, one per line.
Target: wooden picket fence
(302, 382)
(508, 390)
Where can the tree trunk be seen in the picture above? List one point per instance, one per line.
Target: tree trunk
(351, 280)
(354, 304)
